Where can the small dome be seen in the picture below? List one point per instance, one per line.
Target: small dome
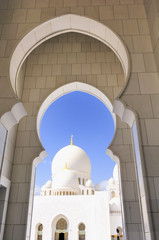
(111, 181)
(43, 188)
(48, 184)
(115, 173)
(115, 204)
(89, 184)
(75, 158)
(65, 180)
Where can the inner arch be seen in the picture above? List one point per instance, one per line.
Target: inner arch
(91, 123)
(71, 87)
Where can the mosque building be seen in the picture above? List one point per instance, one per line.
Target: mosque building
(82, 211)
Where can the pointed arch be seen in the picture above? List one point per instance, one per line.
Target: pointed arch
(71, 87)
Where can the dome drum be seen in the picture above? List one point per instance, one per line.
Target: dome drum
(65, 180)
(64, 192)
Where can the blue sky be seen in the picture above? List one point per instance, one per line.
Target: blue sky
(89, 121)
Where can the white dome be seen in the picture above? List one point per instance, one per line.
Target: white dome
(43, 188)
(115, 173)
(111, 181)
(46, 185)
(75, 158)
(115, 204)
(89, 184)
(65, 180)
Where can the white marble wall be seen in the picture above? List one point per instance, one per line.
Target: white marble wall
(92, 210)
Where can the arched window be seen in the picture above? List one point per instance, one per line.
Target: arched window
(112, 194)
(81, 230)
(119, 233)
(61, 230)
(83, 181)
(61, 224)
(40, 232)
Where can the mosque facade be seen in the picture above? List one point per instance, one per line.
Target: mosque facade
(82, 212)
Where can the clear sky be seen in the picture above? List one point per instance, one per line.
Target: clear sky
(89, 121)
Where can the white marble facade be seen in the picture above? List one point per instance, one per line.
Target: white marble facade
(72, 192)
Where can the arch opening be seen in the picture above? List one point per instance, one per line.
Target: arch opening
(68, 88)
(39, 233)
(77, 118)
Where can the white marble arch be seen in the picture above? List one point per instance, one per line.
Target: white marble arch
(36, 161)
(126, 115)
(60, 25)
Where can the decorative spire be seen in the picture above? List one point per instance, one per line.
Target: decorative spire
(71, 140)
(66, 166)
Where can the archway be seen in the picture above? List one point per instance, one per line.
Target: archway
(128, 117)
(61, 232)
(60, 228)
(71, 87)
(89, 89)
(39, 234)
(57, 26)
(85, 88)
(81, 228)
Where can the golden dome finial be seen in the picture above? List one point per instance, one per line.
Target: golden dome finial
(71, 140)
(66, 166)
